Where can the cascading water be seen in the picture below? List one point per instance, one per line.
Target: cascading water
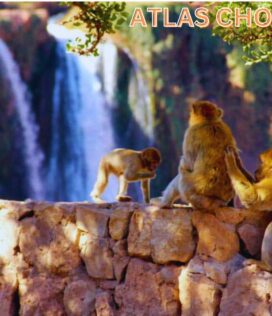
(81, 123)
(33, 155)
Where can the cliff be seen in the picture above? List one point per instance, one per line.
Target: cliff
(130, 259)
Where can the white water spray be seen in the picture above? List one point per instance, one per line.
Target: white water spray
(81, 114)
(32, 153)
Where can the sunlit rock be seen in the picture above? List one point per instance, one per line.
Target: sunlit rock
(171, 236)
(267, 246)
(148, 290)
(215, 239)
(119, 222)
(248, 292)
(79, 297)
(46, 243)
(104, 304)
(199, 295)
(163, 234)
(41, 295)
(97, 256)
(93, 220)
(9, 232)
(140, 234)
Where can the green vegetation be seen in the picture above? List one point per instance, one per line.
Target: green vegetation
(97, 18)
(256, 41)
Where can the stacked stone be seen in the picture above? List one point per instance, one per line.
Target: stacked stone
(129, 259)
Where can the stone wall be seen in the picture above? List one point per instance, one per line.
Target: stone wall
(129, 259)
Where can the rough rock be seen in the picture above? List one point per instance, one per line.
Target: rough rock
(267, 246)
(252, 237)
(104, 304)
(41, 295)
(215, 239)
(248, 292)
(119, 267)
(199, 295)
(163, 234)
(119, 222)
(79, 298)
(7, 294)
(15, 209)
(97, 255)
(219, 271)
(93, 220)
(120, 248)
(140, 234)
(45, 243)
(9, 235)
(172, 236)
(146, 292)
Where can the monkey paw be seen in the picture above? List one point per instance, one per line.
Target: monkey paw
(123, 198)
(98, 200)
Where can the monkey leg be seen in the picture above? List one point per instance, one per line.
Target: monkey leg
(122, 193)
(145, 186)
(101, 183)
(170, 194)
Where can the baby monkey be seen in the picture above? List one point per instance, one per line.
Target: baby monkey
(129, 166)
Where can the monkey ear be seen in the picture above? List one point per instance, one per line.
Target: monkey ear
(220, 112)
(193, 107)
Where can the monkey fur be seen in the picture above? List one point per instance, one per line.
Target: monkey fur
(202, 179)
(129, 166)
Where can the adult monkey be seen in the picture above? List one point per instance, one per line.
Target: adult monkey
(202, 179)
(256, 195)
(129, 166)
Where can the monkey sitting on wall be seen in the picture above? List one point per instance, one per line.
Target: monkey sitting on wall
(256, 195)
(129, 166)
(202, 179)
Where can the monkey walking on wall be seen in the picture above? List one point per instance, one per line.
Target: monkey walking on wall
(256, 195)
(202, 179)
(129, 166)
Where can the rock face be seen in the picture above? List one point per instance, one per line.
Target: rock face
(148, 290)
(216, 239)
(164, 235)
(128, 259)
(248, 292)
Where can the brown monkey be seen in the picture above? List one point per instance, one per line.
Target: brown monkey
(256, 195)
(202, 179)
(129, 166)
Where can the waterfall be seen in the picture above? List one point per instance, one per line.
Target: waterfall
(33, 155)
(81, 122)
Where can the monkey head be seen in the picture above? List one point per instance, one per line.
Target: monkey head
(151, 158)
(201, 111)
(265, 168)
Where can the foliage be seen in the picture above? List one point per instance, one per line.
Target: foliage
(256, 41)
(97, 18)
